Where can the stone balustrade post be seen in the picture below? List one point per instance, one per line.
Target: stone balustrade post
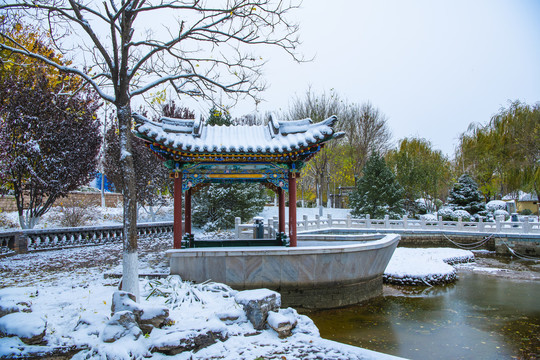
(271, 230)
(237, 221)
(481, 225)
(405, 222)
(460, 223)
(526, 225)
(498, 224)
(306, 222)
(318, 221)
(423, 223)
(386, 221)
(349, 222)
(330, 221)
(441, 223)
(368, 221)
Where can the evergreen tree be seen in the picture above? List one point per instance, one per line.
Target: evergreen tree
(464, 195)
(377, 192)
(216, 206)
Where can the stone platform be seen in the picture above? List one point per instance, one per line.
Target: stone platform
(308, 276)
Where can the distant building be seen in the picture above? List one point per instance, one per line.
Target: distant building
(523, 200)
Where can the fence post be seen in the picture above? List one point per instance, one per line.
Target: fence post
(237, 221)
(318, 221)
(368, 221)
(386, 221)
(306, 222)
(526, 225)
(405, 224)
(349, 222)
(271, 229)
(330, 222)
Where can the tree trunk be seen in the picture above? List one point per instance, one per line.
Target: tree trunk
(130, 263)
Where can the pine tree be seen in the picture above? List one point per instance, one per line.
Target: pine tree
(464, 195)
(377, 192)
(216, 206)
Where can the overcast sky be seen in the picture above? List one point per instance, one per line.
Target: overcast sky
(432, 67)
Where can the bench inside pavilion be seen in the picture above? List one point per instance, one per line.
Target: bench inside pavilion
(197, 154)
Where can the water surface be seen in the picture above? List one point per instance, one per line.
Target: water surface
(479, 317)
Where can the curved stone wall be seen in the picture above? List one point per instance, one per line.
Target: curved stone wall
(323, 276)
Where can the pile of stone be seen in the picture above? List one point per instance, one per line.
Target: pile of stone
(17, 319)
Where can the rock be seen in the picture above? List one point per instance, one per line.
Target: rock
(188, 342)
(230, 316)
(257, 304)
(153, 317)
(122, 324)
(122, 301)
(147, 317)
(16, 300)
(30, 328)
(282, 322)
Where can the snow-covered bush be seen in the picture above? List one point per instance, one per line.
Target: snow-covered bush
(464, 195)
(429, 217)
(446, 213)
(6, 222)
(464, 215)
(421, 206)
(73, 213)
(495, 205)
(500, 212)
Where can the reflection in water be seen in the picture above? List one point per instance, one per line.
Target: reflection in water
(480, 317)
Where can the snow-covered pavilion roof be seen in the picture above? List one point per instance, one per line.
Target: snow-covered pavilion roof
(190, 136)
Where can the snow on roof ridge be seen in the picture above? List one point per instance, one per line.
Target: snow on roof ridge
(277, 136)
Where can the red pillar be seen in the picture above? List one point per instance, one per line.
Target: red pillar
(281, 213)
(187, 222)
(292, 208)
(177, 225)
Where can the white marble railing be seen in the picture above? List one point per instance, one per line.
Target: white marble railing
(498, 226)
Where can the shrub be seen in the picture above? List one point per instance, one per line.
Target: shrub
(6, 222)
(446, 213)
(500, 212)
(73, 213)
(495, 205)
(464, 215)
(525, 212)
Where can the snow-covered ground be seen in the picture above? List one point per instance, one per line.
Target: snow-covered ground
(68, 291)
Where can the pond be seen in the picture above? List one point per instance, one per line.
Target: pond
(479, 317)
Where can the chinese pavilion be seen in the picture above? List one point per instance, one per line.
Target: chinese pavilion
(198, 154)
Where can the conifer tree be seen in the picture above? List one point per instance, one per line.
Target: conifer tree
(377, 192)
(464, 195)
(216, 206)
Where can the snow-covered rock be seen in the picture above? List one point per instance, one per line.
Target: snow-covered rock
(282, 322)
(257, 303)
(30, 328)
(147, 317)
(122, 324)
(425, 266)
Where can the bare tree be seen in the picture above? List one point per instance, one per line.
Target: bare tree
(366, 131)
(318, 108)
(125, 49)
